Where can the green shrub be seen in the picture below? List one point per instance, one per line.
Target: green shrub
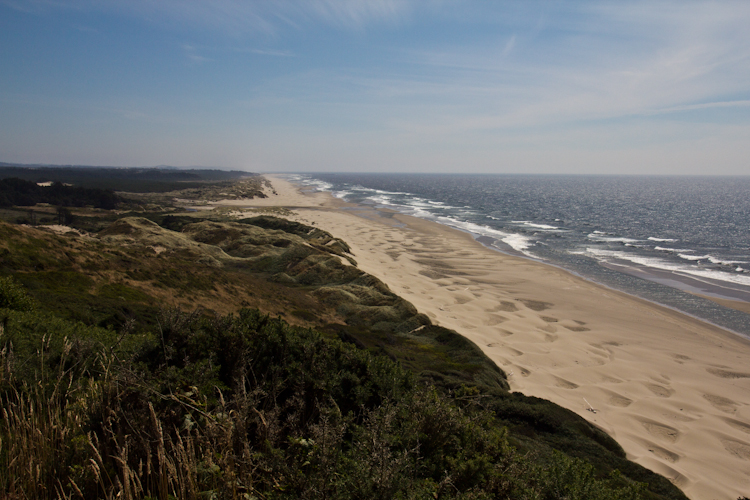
(247, 406)
(13, 296)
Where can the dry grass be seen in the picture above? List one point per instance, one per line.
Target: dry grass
(48, 452)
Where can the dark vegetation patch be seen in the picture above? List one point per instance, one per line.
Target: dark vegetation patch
(14, 191)
(317, 238)
(132, 180)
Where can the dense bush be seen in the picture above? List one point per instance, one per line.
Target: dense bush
(248, 407)
(13, 296)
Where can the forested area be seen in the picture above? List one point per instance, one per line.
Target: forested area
(19, 192)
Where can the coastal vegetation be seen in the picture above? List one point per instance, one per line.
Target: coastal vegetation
(162, 353)
(14, 191)
(131, 180)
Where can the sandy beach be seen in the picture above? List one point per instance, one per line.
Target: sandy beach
(672, 390)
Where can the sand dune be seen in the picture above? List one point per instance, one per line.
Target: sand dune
(673, 391)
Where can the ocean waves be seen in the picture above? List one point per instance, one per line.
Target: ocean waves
(741, 277)
(691, 229)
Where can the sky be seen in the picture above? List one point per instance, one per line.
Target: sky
(566, 87)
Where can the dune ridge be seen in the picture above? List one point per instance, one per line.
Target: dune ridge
(672, 390)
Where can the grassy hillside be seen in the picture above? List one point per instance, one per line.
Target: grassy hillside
(248, 407)
(208, 357)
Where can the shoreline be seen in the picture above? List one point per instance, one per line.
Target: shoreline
(736, 299)
(718, 298)
(672, 390)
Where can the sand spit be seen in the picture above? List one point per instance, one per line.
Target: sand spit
(672, 390)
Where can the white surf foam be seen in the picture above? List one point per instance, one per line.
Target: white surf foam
(318, 184)
(517, 242)
(544, 227)
(691, 271)
(721, 262)
(341, 194)
(662, 240)
(599, 236)
(673, 250)
(693, 258)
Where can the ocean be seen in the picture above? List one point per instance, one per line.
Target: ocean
(664, 239)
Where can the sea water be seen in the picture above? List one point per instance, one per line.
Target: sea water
(664, 239)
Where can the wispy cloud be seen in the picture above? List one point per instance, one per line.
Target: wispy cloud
(701, 106)
(269, 52)
(192, 54)
(607, 63)
(355, 14)
(509, 46)
(589, 61)
(239, 17)
(437, 74)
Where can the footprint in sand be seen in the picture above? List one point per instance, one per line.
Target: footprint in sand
(505, 333)
(601, 350)
(677, 416)
(433, 275)
(548, 319)
(681, 358)
(665, 454)
(727, 373)
(662, 453)
(524, 372)
(495, 319)
(606, 379)
(737, 424)
(514, 352)
(737, 448)
(677, 478)
(548, 329)
(535, 305)
(577, 328)
(659, 390)
(550, 337)
(505, 306)
(565, 384)
(661, 431)
(616, 399)
(721, 403)
(621, 401)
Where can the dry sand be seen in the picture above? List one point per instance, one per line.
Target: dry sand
(672, 390)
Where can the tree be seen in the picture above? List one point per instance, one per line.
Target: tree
(64, 216)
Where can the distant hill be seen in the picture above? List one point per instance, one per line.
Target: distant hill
(129, 179)
(161, 167)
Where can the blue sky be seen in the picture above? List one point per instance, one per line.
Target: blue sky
(653, 87)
